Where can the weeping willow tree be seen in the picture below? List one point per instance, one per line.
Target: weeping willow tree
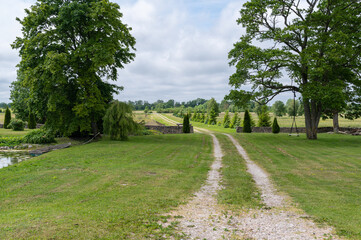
(118, 121)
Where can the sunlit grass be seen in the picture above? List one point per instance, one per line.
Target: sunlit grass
(103, 190)
(322, 176)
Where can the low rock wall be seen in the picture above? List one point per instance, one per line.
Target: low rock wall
(168, 129)
(300, 129)
(38, 125)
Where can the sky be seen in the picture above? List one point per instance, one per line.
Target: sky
(182, 48)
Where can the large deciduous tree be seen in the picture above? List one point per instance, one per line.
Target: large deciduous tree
(69, 50)
(317, 43)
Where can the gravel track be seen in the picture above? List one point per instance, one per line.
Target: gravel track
(203, 218)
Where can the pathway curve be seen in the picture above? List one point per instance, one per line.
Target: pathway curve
(279, 220)
(203, 218)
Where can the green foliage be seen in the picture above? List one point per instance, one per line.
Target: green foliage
(68, 50)
(292, 107)
(275, 126)
(264, 119)
(186, 125)
(7, 118)
(212, 120)
(247, 128)
(39, 136)
(226, 120)
(16, 125)
(235, 122)
(32, 121)
(212, 105)
(279, 108)
(119, 122)
(146, 110)
(316, 43)
(10, 141)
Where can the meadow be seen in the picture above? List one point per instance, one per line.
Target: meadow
(123, 190)
(103, 190)
(322, 176)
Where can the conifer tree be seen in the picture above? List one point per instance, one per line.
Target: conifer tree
(186, 126)
(234, 120)
(7, 118)
(226, 120)
(275, 126)
(213, 117)
(247, 128)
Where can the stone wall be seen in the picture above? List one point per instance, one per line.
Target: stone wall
(38, 125)
(167, 129)
(300, 129)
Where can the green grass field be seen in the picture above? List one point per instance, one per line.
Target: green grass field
(11, 133)
(286, 121)
(322, 176)
(104, 190)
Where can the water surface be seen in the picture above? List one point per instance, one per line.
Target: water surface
(10, 158)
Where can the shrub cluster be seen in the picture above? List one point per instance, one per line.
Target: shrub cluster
(16, 125)
(247, 122)
(10, 141)
(39, 136)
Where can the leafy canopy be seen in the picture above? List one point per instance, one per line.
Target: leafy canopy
(316, 44)
(68, 49)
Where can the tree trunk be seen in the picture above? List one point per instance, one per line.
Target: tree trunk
(312, 118)
(335, 122)
(94, 128)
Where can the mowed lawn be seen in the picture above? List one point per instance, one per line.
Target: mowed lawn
(322, 176)
(103, 190)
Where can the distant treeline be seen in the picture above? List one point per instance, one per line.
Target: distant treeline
(4, 106)
(200, 105)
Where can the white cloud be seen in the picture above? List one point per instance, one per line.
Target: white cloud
(182, 47)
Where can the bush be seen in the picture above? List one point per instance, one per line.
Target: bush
(10, 141)
(7, 119)
(275, 126)
(39, 136)
(119, 122)
(247, 128)
(186, 126)
(264, 120)
(226, 120)
(32, 121)
(16, 125)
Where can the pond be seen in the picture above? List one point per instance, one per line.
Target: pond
(10, 158)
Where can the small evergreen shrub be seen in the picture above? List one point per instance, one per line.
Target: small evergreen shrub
(212, 117)
(16, 125)
(7, 119)
(186, 126)
(39, 136)
(275, 126)
(264, 120)
(226, 120)
(247, 128)
(32, 121)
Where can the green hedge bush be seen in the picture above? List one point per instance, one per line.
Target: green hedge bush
(16, 125)
(39, 136)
